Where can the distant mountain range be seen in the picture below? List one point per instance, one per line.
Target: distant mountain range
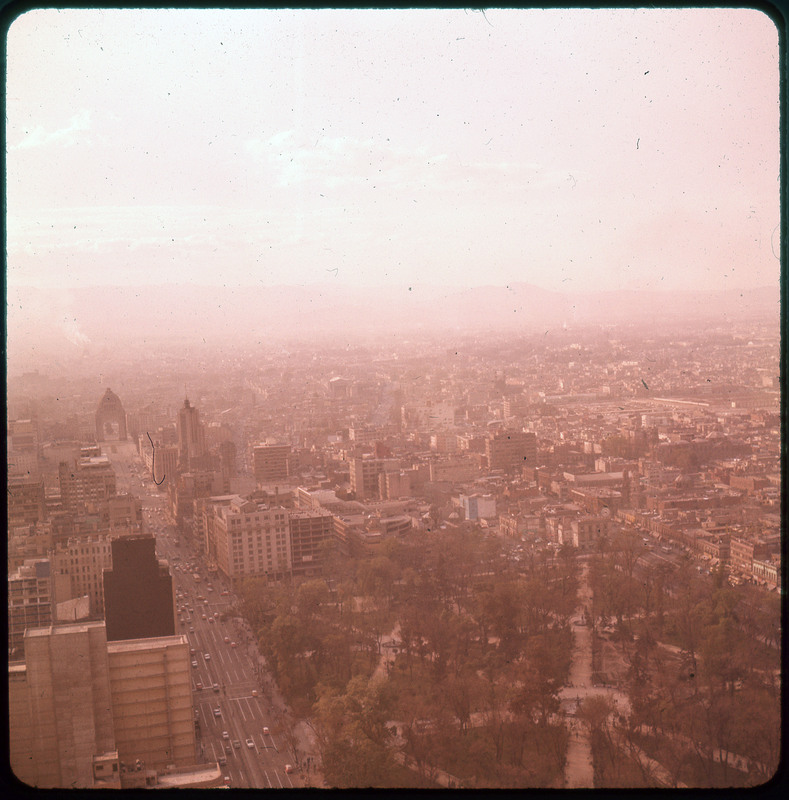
(120, 313)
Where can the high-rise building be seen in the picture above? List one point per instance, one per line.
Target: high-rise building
(364, 472)
(508, 450)
(227, 455)
(88, 713)
(270, 463)
(26, 505)
(25, 435)
(60, 712)
(138, 591)
(86, 483)
(151, 696)
(251, 538)
(191, 438)
(81, 562)
(30, 601)
(309, 529)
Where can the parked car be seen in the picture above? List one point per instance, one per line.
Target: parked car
(288, 768)
(237, 744)
(265, 731)
(250, 744)
(225, 735)
(217, 712)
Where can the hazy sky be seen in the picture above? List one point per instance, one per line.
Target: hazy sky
(571, 149)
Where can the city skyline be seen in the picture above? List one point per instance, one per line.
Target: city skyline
(543, 560)
(572, 150)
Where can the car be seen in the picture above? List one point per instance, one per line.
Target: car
(215, 687)
(211, 619)
(194, 665)
(204, 616)
(199, 685)
(227, 780)
(288, 769)
(266, 731)
(233, 644)
(207, 656)
(237, 744)
(227, 640)
(222, 760)
(191, 630)
(225, 593)
(254, 693)
(217, 712)
(250, 744)
(228, 748)
(225, 735)
(192, 651)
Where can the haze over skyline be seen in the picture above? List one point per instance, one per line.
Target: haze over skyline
(574, 150)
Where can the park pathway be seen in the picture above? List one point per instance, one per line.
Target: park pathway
(579, 767)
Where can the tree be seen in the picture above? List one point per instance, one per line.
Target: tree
(355, 738)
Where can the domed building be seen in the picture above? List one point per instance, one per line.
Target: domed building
(110, 418)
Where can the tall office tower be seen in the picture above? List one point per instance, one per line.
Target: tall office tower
(364, 472)
(138, 591)
(151, 696)
(309, 529)
(191, 438)
(227, 455)
(270, 462)
(25, 435)
(88, 713)
(85, 484)
(30, 601)
(110, 418)
(60, 712)
(509, 450)
(80, 562)
(26, 504)
(250, 538)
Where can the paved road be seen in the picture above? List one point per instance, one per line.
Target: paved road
(245, 709)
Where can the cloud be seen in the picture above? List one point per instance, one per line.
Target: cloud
(64, 137)
(349, 162)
